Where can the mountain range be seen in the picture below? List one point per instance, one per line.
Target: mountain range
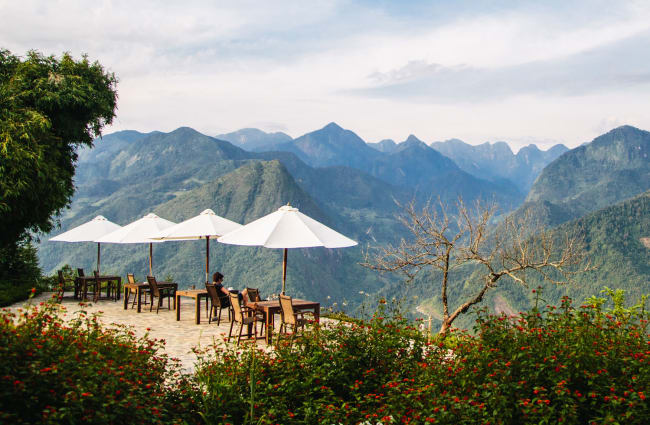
(496, 161)
(330, 174)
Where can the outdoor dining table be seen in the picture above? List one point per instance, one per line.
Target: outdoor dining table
(142, 287)
(197, 294)
(272, 307)
(82, 282)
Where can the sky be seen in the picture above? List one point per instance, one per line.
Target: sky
(522, 72)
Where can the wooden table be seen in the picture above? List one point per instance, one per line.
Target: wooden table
(197, 294)
(142, 287)
(83, 283)
(270, 308)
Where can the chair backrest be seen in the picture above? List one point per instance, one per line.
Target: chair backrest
(130, 278)
(80, 272)
(213, 294)
(236, 308)
(286, 306)
(253, 294)
(153, 285)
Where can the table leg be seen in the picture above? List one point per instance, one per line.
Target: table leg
(269, 323)
(177, 304)
(126, 298)
(317, 314)
(198, 310)
(138, 290)
(119, 287)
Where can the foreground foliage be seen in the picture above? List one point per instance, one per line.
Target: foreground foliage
(56, 371)
(551, 365)
(566, 364)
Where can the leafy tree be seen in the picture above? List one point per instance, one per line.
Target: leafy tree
(513, 249)
(48, 108)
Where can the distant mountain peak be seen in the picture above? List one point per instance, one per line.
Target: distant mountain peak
(333, 127)
(386, 145)
(413, 140)
(253, 139)
(184, 131)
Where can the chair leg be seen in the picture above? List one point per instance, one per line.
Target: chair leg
(241, 328)
(230, 333)
(151, 305)
(218, 310)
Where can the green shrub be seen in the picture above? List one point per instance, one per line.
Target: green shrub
(551, 365)
(19, 272)
(56, 371)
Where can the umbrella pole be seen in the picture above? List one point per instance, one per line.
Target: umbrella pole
(150, 259)
(207, 258)
(98, 250)
(284, 270)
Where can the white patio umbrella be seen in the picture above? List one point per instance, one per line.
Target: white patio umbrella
(203, 226)
(286, 228)
(88, 232)
(140, 231)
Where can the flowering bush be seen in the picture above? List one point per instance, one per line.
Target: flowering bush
(561, 364)
(56, 371)
(552, 365)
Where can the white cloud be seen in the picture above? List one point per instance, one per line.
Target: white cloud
(296, 66)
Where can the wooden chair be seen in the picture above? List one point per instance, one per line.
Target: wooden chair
(243, 315)
(111, 289)
(84, 287)
(218, 303)
(66, 283)
(130, 278)
(161, 293)
(290, 317)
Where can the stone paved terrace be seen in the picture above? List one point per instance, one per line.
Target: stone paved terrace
(180, 336)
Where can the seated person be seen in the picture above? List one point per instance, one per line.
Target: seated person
(217, 281)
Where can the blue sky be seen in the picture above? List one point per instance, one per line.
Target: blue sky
(522, 72)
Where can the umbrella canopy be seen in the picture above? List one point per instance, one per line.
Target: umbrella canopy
(203, 226)
(140, 231)
(286, 228)
(88, 232)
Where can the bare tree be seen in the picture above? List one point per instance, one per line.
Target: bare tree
(511, 249)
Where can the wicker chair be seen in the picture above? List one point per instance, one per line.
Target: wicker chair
(290, 317)
(253, 295)
(243, 315)
(218, 303)
(160, 293)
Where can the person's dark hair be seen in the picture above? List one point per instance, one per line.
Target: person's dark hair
(217, 276)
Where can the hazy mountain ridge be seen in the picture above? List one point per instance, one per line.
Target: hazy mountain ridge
(253, 139)
(496, 161)
(411, 164)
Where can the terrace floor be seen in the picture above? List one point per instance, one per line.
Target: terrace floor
(180, 336)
